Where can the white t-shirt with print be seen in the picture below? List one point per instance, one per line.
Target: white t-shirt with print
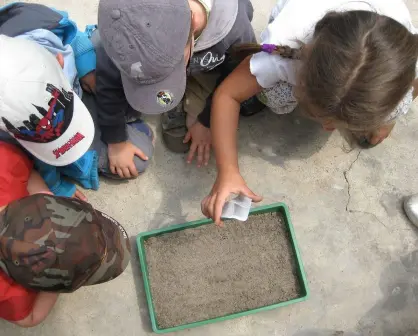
(294, 20)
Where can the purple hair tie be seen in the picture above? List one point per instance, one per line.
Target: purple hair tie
(268, 48)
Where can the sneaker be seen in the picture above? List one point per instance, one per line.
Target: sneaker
(173, 125)
(410, 206)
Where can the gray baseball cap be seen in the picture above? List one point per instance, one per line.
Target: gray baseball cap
(146, 41)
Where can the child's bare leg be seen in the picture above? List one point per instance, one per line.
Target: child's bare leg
(42, 307)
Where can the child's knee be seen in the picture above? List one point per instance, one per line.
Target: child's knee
(141, 136)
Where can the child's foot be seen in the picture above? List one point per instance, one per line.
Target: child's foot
(411, 208)
(173, 125)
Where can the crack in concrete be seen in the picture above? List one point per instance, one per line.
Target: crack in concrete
(348, 182)
(347, 206)
(368, 213)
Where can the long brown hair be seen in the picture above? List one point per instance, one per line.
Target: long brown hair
(357, 69)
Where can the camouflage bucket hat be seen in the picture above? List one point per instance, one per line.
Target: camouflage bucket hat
(59, 244)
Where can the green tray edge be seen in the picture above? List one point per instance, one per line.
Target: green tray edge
(276, 207)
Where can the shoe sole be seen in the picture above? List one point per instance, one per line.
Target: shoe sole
(173, 140)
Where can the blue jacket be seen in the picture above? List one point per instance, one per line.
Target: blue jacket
(20, 18)
(55, 31)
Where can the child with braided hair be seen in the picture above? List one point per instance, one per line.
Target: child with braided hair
(348, 64)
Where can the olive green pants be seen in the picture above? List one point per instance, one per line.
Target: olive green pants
(198, 90)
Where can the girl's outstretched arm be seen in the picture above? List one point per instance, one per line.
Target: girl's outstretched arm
(239, 86)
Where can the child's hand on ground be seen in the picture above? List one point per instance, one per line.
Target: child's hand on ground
(121, 159)
(201, 143)
(227, 183)
(88, 82)
(79, 195)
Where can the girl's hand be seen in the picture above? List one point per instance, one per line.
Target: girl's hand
(226, 183)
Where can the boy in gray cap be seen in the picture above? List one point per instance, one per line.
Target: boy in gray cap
(148, 49)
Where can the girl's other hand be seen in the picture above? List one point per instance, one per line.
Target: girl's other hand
(227, 183)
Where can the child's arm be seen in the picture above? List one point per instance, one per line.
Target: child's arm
(84, 55)
(36, 183)
(42, 306)
(111, 107)
(236, 88)
(241, 32)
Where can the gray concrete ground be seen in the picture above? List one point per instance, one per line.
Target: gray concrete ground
(359, 251)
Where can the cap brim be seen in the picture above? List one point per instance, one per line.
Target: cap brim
(71, 145)
(118, 251)
(159, 97)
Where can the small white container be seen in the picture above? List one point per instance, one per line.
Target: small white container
(237, 208)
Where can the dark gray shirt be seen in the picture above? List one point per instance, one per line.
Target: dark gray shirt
(111, 100)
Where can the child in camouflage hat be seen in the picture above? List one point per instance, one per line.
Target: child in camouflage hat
(49, 244)
(18, 304)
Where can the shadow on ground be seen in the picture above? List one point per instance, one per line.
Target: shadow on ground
(278, 138)
(396, 313)
(266, 136)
